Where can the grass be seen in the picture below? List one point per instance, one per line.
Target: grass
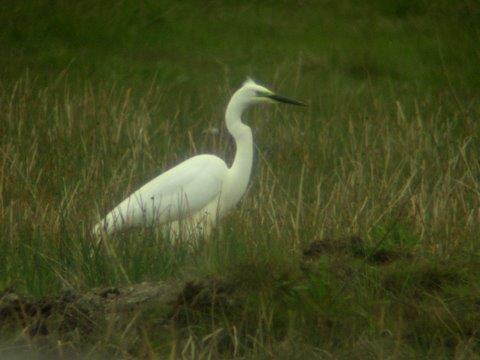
(358, 236)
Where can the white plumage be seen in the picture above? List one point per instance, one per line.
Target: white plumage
(192, 195)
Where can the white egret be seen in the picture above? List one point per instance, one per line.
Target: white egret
(200, 190)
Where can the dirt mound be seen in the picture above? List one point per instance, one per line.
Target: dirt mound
(76, 310)
(353, 246)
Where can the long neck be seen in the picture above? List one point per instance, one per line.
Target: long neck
(239, 172)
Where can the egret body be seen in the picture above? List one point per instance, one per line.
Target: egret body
(191, 196)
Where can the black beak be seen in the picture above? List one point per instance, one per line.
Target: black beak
(285, 100)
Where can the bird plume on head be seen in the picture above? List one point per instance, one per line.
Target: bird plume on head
(249, 81)
(253, 92)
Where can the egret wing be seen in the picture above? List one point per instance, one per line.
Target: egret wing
(174, 195)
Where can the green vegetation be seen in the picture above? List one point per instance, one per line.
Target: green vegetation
(358, 237)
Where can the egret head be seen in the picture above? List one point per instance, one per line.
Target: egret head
(253, 93)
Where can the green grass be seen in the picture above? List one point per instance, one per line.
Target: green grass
(97, 98)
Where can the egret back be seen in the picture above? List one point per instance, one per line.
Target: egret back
(174, 195)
